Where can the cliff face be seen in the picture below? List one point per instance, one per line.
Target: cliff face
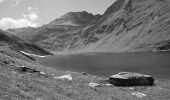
(127, 25)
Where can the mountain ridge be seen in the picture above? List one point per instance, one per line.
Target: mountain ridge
(14, 45)
(128, 29)
(76, 19)
(126, 26)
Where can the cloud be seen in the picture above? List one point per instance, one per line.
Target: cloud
(32, 16)
(29, 8)
(1, 1)
(9, 23)
(16, 2)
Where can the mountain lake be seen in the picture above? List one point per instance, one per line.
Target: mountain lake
(156, 64)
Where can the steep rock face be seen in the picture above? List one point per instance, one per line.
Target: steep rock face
(130, 25)
(14, 43)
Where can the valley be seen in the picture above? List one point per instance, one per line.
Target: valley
(74, 56)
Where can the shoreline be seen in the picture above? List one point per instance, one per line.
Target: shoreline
(47, 83)
(126, 52)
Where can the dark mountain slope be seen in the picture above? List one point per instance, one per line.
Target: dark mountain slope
(14, 43)
(38, 34)
(129, 25)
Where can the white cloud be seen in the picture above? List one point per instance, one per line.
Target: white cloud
(8, 23)
(29, 8)
(15, 3)
(32, 16)
(1, 1)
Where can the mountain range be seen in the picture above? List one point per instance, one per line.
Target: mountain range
(126, 26)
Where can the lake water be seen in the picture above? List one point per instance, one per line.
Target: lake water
(156, 64)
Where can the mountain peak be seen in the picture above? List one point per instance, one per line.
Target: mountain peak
(76, 19)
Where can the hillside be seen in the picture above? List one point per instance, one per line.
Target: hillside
(130, 25)
(126, 26)
(67, 23)
(40, 34)
(21, 80)
(13, 46)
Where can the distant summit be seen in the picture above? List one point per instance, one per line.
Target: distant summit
(76, 19)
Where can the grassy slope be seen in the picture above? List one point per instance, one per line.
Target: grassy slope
(15, 85)
(9, 41)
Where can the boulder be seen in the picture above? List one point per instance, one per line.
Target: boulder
(131, 79)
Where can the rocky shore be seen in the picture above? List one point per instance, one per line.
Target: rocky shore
(21, 80)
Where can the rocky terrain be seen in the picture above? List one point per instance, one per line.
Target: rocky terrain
(126, 26)
(22, 80)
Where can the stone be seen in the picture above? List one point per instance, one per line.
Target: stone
(138, 94)
(84, 73)
(131, 79)
(42, 73)
(27, 70)
(68, 77)
(94, 84)
(108, 84)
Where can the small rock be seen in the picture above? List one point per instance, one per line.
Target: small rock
(139, 95)
(108, 85)
(84, 73)
(131, 79)
(131, 88)
(42, 73)
(27, 70)
(65, 77)
(94, 85)
(6, 62)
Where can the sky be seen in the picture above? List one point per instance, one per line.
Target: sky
(34, 13)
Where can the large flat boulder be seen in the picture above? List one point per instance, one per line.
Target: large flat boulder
(131, 79)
